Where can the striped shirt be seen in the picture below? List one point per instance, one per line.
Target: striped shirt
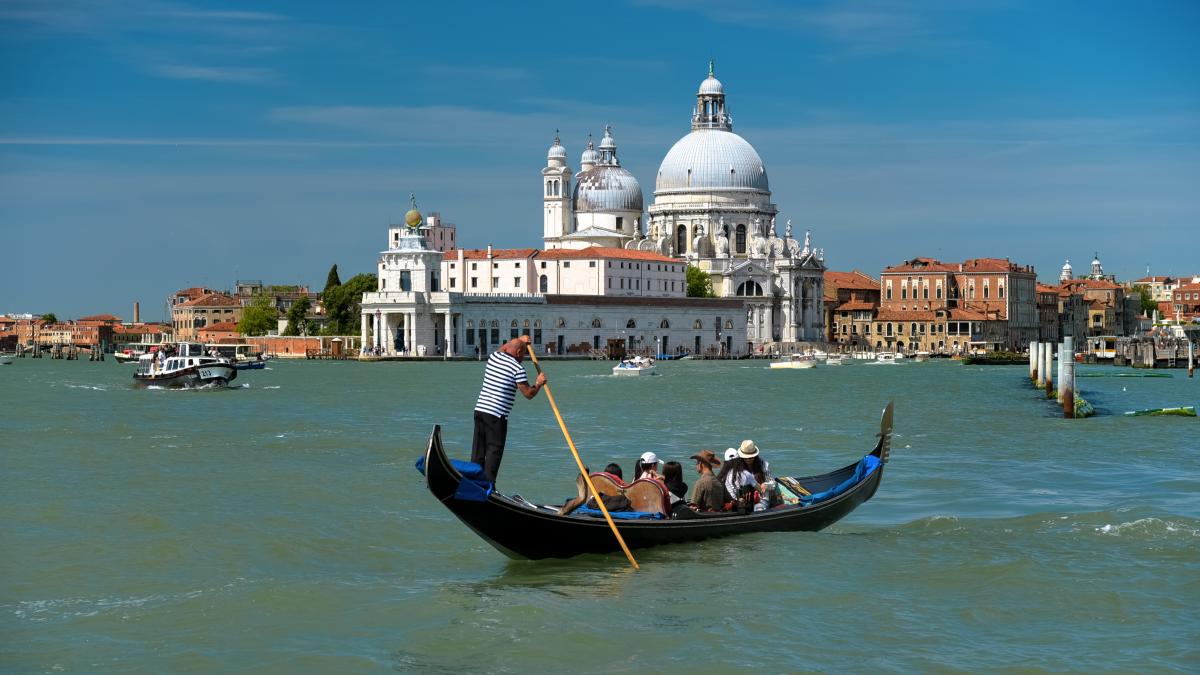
(500, 380)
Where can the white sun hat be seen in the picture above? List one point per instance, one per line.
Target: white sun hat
(649, 458)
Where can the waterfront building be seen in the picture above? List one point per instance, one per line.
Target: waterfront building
(189, 316)
(852, 300)
(127, 335)
(225, 330)
(987, 301)
(567, 300)
(1049, 323)
(1185, 303)
(1110, 310)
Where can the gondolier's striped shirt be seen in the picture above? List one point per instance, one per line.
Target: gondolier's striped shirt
(500, 380)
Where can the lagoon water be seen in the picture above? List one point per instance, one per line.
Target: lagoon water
(281, 528)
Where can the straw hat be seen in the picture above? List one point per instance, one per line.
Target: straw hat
(748, 450)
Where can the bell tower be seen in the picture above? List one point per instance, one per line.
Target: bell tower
(556, 194)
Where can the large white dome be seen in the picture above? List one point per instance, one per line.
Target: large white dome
(605, 189)
(711, 159)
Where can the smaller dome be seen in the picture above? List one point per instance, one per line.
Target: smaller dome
(590, 156)
(608, 142)
(557, 151)
(712, 86)
(1067, 265)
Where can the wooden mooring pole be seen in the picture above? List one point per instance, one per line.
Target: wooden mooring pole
(1049, 366)
(1062, 349)
(1191, 357)
(1067, 381)
(1033, 361)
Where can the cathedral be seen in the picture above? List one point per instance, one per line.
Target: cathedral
(712, 207)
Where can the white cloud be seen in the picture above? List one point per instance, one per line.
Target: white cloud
(214, 73)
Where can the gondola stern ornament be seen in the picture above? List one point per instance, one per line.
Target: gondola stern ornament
(885, 433)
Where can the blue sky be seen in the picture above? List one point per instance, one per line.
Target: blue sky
(149, 145)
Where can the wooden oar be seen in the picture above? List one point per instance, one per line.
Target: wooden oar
(579, 462)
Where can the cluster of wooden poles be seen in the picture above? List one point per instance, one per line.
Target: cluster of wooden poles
(1041, 367)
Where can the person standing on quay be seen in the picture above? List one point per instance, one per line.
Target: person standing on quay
(503, 375)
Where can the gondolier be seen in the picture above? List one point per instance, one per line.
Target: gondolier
(503, 375)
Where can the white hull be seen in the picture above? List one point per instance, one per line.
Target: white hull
(796, 363)
(632, 372)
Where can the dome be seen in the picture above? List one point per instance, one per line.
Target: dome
(1067, 265)
(590, 156)
(711, 159)
(606, 188)
(711, 86)
(557, 151)
(608, 142)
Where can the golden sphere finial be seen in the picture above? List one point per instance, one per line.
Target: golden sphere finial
(413, 218)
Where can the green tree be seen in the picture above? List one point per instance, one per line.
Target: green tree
(297, 316)
(699, 284)
(49, 317)
(332, 278)
(343, 303)
(260, 317)
(1148, 303)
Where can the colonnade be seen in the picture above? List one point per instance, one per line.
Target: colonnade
(390, 333)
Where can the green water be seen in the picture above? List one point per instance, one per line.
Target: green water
(281, 528)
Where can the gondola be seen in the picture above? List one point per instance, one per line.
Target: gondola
(524, 530)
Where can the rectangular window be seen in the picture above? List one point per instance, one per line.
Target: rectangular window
(904, 292)
(516, 282)
(495, 336)
(470, 337)
(405, 281)
(543, 264)
(474, 266)
(591, 263)
(474, 282)
(566, 263)
(596, 342)
(435, 285)
(537, 336)
(512, 333)
(453, 282)
(495, 282)
(495, 266)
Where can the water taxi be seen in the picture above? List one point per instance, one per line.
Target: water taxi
(798, 361)
(634, 365)
(188, 367)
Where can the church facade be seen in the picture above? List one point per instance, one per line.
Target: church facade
(611, 269)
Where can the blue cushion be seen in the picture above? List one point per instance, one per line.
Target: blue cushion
(864, 469)
(472, 487)
(620, 515)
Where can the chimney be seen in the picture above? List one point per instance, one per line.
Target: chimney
(489, 254)
(137, 314)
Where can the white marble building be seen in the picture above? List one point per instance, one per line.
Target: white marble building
(609, 271)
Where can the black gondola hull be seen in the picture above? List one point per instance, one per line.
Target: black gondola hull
(522, 531)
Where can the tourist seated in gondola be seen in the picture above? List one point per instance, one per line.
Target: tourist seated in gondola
(647, 467)
(614, 469)
(672, 476)
(748, 479)
(708, 494)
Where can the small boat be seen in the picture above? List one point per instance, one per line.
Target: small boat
(888, 357)
(244, 356)
(795, 361)
(127, 356)
(188, 368)
(818, 354)
(835, 360)
(523, 530)
(5, 360)
(634, 365)
(921, 357)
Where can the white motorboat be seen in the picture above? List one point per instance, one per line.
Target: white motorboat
(835, 360)
(888, 357)
(921, 357)
(795, 361)
(187, 368)
(634, 365)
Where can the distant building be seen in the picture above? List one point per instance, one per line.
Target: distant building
(190, 316)
(1049, 326)
(1110, 310)
(851, 302)
(225, 330)
(1185, 303)
(983, 302)
(1161, 288)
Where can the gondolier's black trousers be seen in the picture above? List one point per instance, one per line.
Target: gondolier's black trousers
(487, 448)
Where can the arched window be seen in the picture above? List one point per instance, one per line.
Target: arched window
(514, 323)
(595, 323)
(549, 188)
(664, 324)
(631, 324)
(543, 283)
(697, 325)
(495, 323)
(526, 324)
(470, 323)
(681, 240)
(912, 330)
(739, 239)
(537, 323)
(728, 324)
(889, 329)
(985, 291)
(748, 288)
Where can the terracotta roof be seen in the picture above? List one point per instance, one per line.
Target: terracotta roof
(1099, 284)
(855, 305)
(497, 253)
(142, 328)
(1044, 288)
(991, 265)
(194, 292)
(224, 326)
(604, 252)
(1188, 288)
(968, 315)
(854, 279)
(922, 265)
(102, 317)
(1153, 280)
(212, 300)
